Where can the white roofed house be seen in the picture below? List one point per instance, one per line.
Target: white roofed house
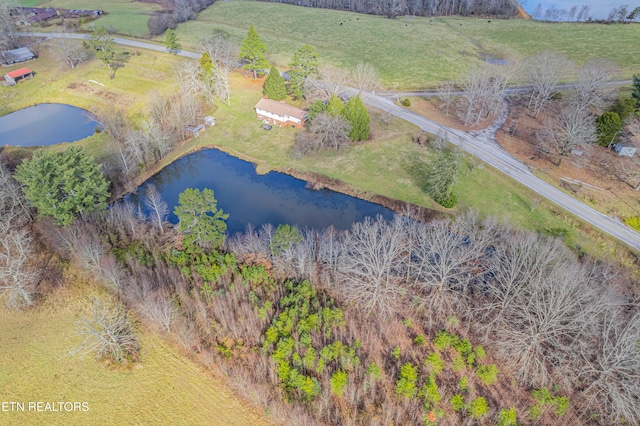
(280, 113)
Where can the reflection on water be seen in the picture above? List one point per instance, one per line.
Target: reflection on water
(46, 124)
(255, 199)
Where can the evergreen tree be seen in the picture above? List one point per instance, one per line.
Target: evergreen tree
(636, 90)
(253, 52)
(206, 66)
(609, 127)
(335, 107)
(63, 184)
(200, 220)
(304, 63)
(104, 46)
(358, 117)
(439, 176)
(274, 86)
(315, 108)
(171, 41)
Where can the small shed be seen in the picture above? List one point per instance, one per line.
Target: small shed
(20, 74)
(194, 130)
(625, 149)
(16, 55)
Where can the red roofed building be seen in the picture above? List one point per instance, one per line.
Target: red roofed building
(19, 74)
(280, 114)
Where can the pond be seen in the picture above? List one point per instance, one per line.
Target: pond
(250, 198)
(46, 124)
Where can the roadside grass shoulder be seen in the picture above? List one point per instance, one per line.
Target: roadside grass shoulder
(166, 387)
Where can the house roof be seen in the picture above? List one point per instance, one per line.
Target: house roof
(19, 72)
(280, 108)
(17, 55)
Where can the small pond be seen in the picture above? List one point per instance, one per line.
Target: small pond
(250, 198)
(46, 124)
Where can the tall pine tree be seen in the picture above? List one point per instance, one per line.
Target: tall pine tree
(358, 117)
(304, 63)
(253, 52)
(274, 87)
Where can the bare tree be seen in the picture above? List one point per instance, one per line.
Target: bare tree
(542, 306)
(583, 14)
(595, 86)
(447, 93)
(544, 71)
(573, 127)
(8, 28)
(159, 310)
(628, 171)
(369, 266)
(572, 12)
(69, 51)
(158, 208)
(331, 82)
(613, 374)
(365, 78)
(221, 50)
(18, 278)
(108, 333)
(14, 210)
(330, 131)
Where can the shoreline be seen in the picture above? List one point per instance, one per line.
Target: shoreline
(314, 181)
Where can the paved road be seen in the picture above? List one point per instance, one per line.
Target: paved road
(118, 40)
(481, 144)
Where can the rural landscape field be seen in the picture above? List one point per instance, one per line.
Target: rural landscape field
(497, 285)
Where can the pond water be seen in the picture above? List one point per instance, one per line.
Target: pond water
(46, 124)
(250, 198)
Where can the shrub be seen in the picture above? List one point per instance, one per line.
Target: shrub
(457, 402)
(406, 102)
(435, 363)
(374, 371)
(338, 382)
(406, 385)
(443, 340)
(429, 392)
(458, 363)
(633, 222)
(420, 340)
(487, 374)
(508, 417)
(396, 352)
(463, 384)
(545, 397)
(478, 407)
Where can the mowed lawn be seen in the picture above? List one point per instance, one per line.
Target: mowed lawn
(124, 16)
(164, 388)
(410, 52)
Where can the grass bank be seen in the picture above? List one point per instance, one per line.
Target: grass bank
(164, 388)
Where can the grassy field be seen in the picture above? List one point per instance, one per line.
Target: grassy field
(164, 388)
(410, 52)
(88, 86)
(124, 16)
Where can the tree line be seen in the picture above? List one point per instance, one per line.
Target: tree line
(393, 8)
